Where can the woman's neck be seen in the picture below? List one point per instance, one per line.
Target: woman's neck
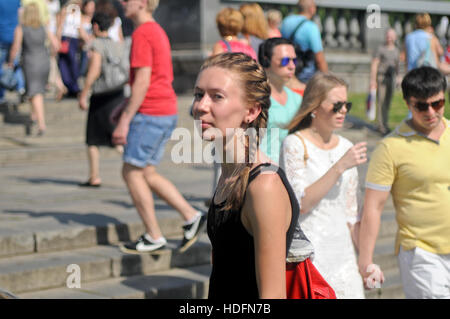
(278, 93)
(230, 38)
(321, 135)
(143, 17)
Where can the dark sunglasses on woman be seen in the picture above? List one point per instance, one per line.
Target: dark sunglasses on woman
(285, 61)
(423, 106)
(338, 106)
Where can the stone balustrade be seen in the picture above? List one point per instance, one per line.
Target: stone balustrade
(353, 25)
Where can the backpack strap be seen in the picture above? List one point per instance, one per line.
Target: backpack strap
(305, 153)
(295, 30)
(228, 45)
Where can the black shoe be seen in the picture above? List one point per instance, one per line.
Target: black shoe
(191, 232)
(143, 245)
(89, 184)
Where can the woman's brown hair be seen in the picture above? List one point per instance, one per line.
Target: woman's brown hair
(229, 22)
(316, 92)
(422, 20)
(253, 80)
(255, 22)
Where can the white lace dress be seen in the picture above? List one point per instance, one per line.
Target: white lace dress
(326, 224)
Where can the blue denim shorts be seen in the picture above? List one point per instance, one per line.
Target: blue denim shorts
(147, 139)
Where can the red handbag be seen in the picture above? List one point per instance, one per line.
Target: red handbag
(303, 281)
(64, 48)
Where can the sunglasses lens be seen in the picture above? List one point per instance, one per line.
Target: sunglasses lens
(438, 104)
(338, 106)
(349, 106)
(285, 61)
(422, 106)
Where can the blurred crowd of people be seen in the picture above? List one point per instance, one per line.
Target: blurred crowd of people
(59, 35)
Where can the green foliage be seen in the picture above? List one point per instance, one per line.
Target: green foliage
(397, 112)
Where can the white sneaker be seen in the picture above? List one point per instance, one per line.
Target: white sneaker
(144, 245)
(191, 232)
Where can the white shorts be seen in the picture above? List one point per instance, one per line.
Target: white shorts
(424, 275)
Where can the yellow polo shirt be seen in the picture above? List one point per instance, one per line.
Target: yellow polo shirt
(416, 170)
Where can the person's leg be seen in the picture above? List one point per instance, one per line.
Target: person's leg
(424, 274)
(141, 194)
(37, 105)
(20, 79)
(146, 141)
(55, 79)
(63, 65)
(381, 97)
(74, 66)
(94, 160)
(4, 51)
(169, 193)
(390, 86)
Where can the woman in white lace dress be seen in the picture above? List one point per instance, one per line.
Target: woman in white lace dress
(321, 167)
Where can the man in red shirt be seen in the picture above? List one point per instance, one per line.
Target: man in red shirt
(145, 126)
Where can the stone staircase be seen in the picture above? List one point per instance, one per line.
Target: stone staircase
(50, 228)
(48, 223)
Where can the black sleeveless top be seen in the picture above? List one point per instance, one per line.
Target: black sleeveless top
(233, 271)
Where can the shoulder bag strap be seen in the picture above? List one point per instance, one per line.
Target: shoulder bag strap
(228, 45)
(305, 153)
(295, 30)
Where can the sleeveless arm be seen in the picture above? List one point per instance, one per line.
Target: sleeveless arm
(266, 216)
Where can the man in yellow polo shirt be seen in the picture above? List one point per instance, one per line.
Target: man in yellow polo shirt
(413, 164)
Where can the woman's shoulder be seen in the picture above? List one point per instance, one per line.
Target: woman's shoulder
(293, 97)
(267, 184)
(293, 139)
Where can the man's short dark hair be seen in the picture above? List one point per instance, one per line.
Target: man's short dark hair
(423, 83)
(265, 50)
(103, 20)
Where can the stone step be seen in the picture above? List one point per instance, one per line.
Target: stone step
(391, 288)
(50, 270)
(15, 154)
(68, 127)
(186, 283)
(388, 226)
(384, 254)
(54, 231)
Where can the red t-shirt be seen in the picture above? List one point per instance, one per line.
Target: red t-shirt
(150, 47)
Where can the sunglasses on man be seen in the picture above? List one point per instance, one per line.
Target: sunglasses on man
(285, 61)
(423, 106)
(338, 106)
